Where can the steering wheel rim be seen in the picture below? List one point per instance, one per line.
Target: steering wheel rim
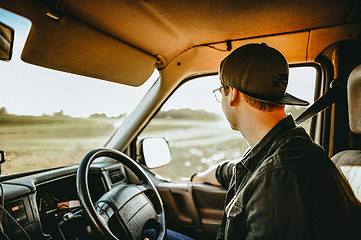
(82, 185)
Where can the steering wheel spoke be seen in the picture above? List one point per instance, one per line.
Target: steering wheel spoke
(103, 217)
(129, 207)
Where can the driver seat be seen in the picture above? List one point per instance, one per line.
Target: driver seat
(349, 161)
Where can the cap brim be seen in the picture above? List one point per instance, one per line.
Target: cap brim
(287, 99)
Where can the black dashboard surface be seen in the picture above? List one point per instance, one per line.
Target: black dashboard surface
(39, 202)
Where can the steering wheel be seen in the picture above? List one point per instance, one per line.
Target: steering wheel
(127, 209)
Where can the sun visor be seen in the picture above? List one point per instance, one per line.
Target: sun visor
(72, 46)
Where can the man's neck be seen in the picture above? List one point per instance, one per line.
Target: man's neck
(260, 124)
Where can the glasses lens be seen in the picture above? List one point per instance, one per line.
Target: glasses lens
(218, 95)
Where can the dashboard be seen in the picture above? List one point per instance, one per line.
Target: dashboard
(41, 203)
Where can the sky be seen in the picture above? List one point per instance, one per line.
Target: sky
(31, 90)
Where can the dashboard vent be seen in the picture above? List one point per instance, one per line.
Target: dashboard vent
(116, 176)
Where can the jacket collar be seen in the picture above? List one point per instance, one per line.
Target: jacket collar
(254, 156)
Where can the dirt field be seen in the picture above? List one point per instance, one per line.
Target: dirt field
(195, 145)
(50, 141)
(196, 141)
(34, 143)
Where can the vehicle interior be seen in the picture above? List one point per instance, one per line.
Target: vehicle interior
(113, 191)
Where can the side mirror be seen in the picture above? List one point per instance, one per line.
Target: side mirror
(6, 42)
(153, 152)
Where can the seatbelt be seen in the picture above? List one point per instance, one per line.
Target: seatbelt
(323, 102)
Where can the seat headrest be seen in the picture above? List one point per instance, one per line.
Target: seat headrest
(354, 99)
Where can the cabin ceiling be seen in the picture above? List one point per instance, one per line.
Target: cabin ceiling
(119, 40)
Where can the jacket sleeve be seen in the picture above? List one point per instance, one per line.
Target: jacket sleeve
(224, 173)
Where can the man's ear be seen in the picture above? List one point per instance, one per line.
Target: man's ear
(235, 96)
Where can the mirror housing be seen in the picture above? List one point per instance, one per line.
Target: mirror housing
(153, 152)
(6, 42)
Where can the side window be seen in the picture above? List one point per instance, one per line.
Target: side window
(302, 82)
(198, 133)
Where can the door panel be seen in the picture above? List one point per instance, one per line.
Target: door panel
(192, 208)
(210, 204)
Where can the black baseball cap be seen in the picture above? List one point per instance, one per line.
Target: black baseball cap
(260, 72)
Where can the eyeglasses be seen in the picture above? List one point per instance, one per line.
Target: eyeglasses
(217, 94)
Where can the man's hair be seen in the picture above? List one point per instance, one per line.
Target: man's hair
(259, 105)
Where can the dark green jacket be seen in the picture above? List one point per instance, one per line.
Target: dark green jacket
(287, 188)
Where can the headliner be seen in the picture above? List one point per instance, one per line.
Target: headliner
(120, 40)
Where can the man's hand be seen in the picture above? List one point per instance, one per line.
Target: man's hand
(207, 176)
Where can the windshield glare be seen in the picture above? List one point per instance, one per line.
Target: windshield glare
(50, 118)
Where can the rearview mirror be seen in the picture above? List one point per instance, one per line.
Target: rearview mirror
(6, 42)
(153, 152)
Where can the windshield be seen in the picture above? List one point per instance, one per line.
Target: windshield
(50, 118)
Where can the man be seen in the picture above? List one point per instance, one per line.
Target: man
(285, 187)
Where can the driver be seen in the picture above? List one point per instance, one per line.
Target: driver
(285, 186)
